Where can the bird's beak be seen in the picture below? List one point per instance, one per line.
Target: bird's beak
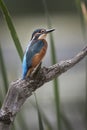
(43, 35)
(50, 30)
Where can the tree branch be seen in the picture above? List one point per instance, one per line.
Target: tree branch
(20, 90)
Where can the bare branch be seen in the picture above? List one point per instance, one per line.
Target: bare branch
(20, 90)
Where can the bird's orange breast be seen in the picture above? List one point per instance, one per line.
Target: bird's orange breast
(39, 56)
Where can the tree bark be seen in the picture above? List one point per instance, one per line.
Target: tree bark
(20, 90)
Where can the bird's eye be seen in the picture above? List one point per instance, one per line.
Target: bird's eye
(42, 31)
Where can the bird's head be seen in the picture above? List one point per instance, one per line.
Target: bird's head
(40, 33)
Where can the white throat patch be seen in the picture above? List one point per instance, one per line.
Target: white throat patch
(43, 36)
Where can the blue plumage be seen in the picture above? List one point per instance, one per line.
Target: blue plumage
(37, 45)
(33, 48)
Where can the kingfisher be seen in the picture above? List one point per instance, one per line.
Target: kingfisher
(35, 51)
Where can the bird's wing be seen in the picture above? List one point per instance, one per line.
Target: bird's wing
(31, 51)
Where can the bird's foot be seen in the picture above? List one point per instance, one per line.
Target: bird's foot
(35, 71)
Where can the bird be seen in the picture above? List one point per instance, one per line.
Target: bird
(35, 51)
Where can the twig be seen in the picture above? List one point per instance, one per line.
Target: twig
(20, 90)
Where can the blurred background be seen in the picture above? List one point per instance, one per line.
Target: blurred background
(69, 39)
